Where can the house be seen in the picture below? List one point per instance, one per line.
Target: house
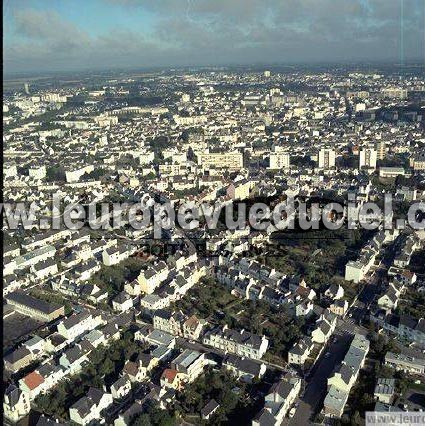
(55, 343)
(242, 343)
(18, 359)
(171, 379)
(278, 401)
(114, 255)
(384, 390)
(190, 364)
(121, 387)
(122, 302)
(335, 292)
(153, 277)
(157, 338)
(36, 345)
(208, 411)
(299, 353)
(52, 374)
(94, 293)
(389, 300)
(152, 302)
(243, 368)
(334, 403)
(192, 328)
(339, 307)
(304, 309)
(95, 338)
(132, 288)
(89, 408)
(126, 417)
(86, 270)
(77, 324)
(74, 359)
(44, 269)
(343, 379)
(324, 328)
(32, 384)
(16, 404)
(170, 322)
(138, 370)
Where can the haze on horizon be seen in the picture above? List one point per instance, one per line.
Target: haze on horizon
(49, 35)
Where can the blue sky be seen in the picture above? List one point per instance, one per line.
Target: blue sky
(57, 35)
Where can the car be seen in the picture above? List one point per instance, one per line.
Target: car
(327, 354)
(292, 412)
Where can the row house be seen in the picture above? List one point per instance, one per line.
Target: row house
(299, 353)
(343, 379)
(78, 324)
(178, 324)
(153, 277)
(278, 401)
(242, 343)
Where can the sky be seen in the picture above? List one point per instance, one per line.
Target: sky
(72, 35)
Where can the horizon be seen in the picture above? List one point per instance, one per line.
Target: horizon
(46, 36)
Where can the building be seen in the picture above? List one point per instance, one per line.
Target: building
(343, 379)
(153, 277)
(407, 363)
(34, 308)
(418, 162)
(244, 368)
(89, 408)
(189, 364)
(384, 390)
(208, 411)
(367, 158)
(326, 158)
(221, 160)
(339, 307)
(278, 401)
(299, 353)
(77, 324)
(391, 172)
(242, 343)
(394, 92)
(279, 160)
(381, 149)
(16, 404)
(18, 359)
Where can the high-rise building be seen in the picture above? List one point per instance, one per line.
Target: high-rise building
(279, 160)
(267, 73)
(326, 158)
(381, 149)
(367, 158)
(27, 88)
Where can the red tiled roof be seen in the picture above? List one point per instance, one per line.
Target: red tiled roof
(169, 374)
(33, 380)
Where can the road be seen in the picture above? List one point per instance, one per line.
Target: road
(316, 386)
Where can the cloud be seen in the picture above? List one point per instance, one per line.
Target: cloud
(220, 31)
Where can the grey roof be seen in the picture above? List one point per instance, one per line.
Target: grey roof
(210, 407)
(40, 305)
(244, 365)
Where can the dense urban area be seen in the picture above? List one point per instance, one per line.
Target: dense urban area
(213, 326)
